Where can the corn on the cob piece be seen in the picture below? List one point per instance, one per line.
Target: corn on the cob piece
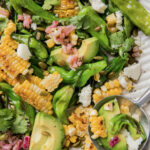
(10, 62)
(67, 8)
(110, 88)
(52, 81)
(97, 126)
(32, 94)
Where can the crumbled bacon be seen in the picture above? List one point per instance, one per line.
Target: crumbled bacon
(49, 28)
(18, 145)
(74, 61)
(4, 12)
(27, 21)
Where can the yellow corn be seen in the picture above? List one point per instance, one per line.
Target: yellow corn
(111, 23)
(10, 62)
(73, 139)
(124, 109)
(31, 94)
(110, 88)
(52, 81)
(50, 43)
(97, 126)
(67, 8)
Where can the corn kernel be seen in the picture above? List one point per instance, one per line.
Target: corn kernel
(50, 43)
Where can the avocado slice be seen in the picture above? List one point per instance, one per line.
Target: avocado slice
(48, 133)
(108, 115)
(88, 51)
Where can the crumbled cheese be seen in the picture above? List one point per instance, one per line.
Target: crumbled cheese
(34, 26)
(85, 96)
(132, 144)
(133, 71)
(119, 20)
(122, 80)
(23, 52)
(98, 6)
(71, 131)
(93, 112)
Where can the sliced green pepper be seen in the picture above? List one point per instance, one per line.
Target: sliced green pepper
(61, 102)
(36, 46)
(88, 70)
(136, 13)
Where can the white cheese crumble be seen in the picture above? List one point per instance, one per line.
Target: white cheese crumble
(85, 96)
(98, 6)
(133, 71)
(34, 26)
(132, 144)
(93, 112)
(119, 20)
(23, 52)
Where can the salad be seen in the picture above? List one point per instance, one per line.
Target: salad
(58, 58)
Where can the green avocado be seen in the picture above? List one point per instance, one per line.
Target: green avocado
(108, 115)
(87, 51)
(48, 133)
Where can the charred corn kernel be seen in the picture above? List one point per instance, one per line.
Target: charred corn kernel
(67, 8)
(111, 20)
(40, 28)
(88, 145)
(4, 12)
(67, 143)
(108, 89)
(73, 139)
(50, 43)
(73, 38)
(31, 94)
(97, 77)
(10, 62)
(97, 126)
(112, 29)
(130, 86)
(52, 81)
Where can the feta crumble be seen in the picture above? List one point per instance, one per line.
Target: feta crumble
(98, 6)
(119, 20)
(23, 52)
(85, 96)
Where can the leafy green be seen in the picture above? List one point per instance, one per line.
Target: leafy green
(6, 118)
(80, 22)
(117, 39)
(37, 19)
(20, 125)
(3, 23)
(48, 4)
(82, 34)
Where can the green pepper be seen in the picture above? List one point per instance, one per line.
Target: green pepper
(94, 20)
(61, 102)
(20, 105)
(134, 127)
(136, 13)
(34, 8)
(88, 70)
(36, 46)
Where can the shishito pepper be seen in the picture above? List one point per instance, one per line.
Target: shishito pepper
(36, 46)
(136, 13)
(61, 102)
(89, 70)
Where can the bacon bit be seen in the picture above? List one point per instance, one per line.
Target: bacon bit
(114, 141)
(49, 28)
(6, 147)
(27, 21)
(4, 12)
(20, 18)
(74, 61)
